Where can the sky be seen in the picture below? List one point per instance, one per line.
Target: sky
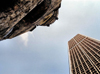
(45, 50)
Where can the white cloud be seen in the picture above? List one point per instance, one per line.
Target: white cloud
(24, 38)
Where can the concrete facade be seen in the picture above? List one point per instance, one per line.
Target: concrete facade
(84, 55)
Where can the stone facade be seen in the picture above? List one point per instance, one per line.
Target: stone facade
(26, 15)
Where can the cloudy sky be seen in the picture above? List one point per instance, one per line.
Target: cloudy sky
(45, 50)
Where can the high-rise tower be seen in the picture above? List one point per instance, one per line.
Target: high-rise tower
(84, 55)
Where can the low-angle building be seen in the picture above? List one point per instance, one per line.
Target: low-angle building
(20, 16)
(84, 55)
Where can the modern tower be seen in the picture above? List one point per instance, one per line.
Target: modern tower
(84, 55)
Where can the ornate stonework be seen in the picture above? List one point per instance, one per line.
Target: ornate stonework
(25, 15)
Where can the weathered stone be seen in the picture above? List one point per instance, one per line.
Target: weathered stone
(25, 15)
(13, 15)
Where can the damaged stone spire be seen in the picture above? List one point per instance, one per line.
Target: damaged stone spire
(20, 16)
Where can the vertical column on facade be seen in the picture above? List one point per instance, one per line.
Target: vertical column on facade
(91, 48)
(90, 57)
(72, 63)
(87, 69)
(94, 56)
(72, 43)
(80, 65)
(94, 40)
(74, 71)
(77, 67)
(93, 70)
(89, 63)
(86, 54)
(83, 60)
(79, 38)
(94, 47)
